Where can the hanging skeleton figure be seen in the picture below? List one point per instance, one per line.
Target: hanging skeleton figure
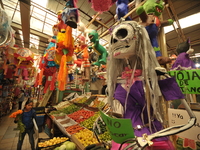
(183, 61)
(133, 58)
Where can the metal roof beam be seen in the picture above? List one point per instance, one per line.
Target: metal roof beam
(25, 21)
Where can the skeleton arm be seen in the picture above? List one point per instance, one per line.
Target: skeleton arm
(141, 142)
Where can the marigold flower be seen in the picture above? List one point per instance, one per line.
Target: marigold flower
(14, 115)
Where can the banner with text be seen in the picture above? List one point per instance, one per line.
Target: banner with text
(179, 117)
(119, 129)
(188, 80)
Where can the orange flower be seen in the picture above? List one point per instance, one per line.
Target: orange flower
(14, 115)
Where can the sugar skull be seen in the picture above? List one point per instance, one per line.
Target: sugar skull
(124, 40)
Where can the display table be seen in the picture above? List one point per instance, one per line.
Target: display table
(76, 117)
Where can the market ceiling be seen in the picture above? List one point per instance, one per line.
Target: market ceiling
(176, 10)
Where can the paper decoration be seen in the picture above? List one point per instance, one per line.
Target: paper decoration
(188, 80)
(119, 129)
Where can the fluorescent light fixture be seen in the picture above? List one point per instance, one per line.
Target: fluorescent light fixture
(197, 65)
(185, 22)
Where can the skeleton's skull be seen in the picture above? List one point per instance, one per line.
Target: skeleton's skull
(124, 40)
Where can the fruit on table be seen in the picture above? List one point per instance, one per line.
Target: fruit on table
(100, 127)
(81, 115)
(54, 141)
(86, 137)
(73, 129)
(105, 136)
(82, 100)
(70, 109)
(97, 104)
(90, 121)
(66, 146)
(70, 146)
(91, 99)
(67, 110)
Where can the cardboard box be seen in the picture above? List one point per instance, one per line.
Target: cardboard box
(178, 117)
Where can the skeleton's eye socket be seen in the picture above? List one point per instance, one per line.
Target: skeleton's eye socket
(121, 33)
(113, 40)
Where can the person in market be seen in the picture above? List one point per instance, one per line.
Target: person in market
(27, 119)
(21, 99)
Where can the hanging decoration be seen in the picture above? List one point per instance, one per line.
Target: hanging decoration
(64, 52)
(149, 14)
(48, 66)
(183, 61)
(122, 9)
(5, 28)
(82, 60)
(98, 48)
(24, 59)
(140, 91)
(102, 5)
(70, 13)
(128, 53)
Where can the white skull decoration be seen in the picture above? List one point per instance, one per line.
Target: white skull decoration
(124, 40)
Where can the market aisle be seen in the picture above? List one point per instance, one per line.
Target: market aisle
(9, 136)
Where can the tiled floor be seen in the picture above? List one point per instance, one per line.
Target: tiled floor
(9, 136)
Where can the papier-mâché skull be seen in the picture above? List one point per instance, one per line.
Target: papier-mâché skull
(124, 40)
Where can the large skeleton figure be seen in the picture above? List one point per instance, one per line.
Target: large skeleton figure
(131, 51)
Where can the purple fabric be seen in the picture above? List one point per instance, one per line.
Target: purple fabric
(170, 89)
(183, 60)
(135, 104)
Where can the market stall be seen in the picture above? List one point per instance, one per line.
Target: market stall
(79, 120)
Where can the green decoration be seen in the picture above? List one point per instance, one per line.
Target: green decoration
(188, 80)
(149, 13)
(119, 129)
(98, 48)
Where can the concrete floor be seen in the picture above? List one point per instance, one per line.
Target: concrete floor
(9, 134)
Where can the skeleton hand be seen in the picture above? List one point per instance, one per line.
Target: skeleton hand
(142, 142)
(135, 145)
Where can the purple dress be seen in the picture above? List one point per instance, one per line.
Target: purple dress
(183, 62)
(135, 104)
